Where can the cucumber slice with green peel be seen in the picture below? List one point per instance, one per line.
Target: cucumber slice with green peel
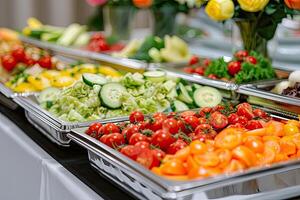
(189, 88)
(48, 94)
(184, 95)
(93, 79)
(110, 95)
(173, 94)
(155, 76)
(207, 97)
(196, 86)
(178, 106)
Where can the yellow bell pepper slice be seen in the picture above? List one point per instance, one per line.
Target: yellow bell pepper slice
(62, 81)
(39, 82)
(25, 87)
(34, 23)
(50, 74)
(108, 71)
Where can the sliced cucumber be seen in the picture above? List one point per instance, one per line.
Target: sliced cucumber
(179, 106)
(48, 94)
(93, 79)
(207, 97)
(110, 95)
(189, 88)
(196, 86)
(173, 94)
(173, 78)
(184, 95)
(155, 76)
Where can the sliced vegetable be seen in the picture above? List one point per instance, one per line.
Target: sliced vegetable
(93, 79)
(110, 94)
(207, 97)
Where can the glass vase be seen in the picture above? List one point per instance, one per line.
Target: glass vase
(164, 20)
(246, 37)
(118, 21)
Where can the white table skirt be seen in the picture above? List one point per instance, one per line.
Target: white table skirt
(28, 172)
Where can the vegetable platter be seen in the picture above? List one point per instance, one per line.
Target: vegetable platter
(98, 97)
(277, 95)
(233, 156)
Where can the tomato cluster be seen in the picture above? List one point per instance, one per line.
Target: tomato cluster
(19, 55)
(241, 56)
(147, 139)
(197, 66)
(232, 150)
(98, 43)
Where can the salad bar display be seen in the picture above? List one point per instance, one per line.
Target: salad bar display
(158, 132)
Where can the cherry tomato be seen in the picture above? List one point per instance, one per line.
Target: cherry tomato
(29, 61)
(129, 131)
(103, 139)
(143, 125)
(182, 126)
(202, 120)
(136, 116)
(205, 112)
(218, 120)
(159, 116)
(45, 62)
(156, 124)
(114, 140)
(189, 70)
(203, 128)
(255, 145)
(116, 47)
(253, 124)
(217, 108)
(137, 137)
(158, 155)
(212, 76)
(162, 139)
(237, 125)
(233, 118)
(192, 121)
(143, 144)
(176, 146)
(145, 158)
(93, 129)
(260, 113)
(200, 71)
(245, 109)
(194, 60)
(97, 36)
(8, 62)
(131, 151)
(170, 125)
(109, 128)
(234, 67)
(187, 113)
(206, 62)
(171, 115)
(18, 54)
(242, 120)
(251, 59)
(240, 55)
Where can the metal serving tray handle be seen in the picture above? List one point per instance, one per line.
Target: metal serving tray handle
(78, 53)
(134, 173)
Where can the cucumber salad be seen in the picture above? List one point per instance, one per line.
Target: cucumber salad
(100, 97)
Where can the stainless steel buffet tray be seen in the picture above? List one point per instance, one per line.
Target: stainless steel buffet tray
(144, 184)
(85, 55)
(260, 94)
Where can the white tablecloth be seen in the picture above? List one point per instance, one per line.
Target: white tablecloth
(27, 172)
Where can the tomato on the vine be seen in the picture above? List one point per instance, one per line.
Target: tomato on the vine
(45, 62)
(29, 61)
(128, 131)
(158, 155)
(156, 124)
(176, 146)
(136, 116)
(8, 62)
(170, 125)
(234, 67)
(205, 112)
(114, 140)
(218, 120)
(189, 70)
(109, 128)
(143, 144)
(242, 120)
(212, 76)
(199, 70)
(204, 132)
(251, 59)
(162, 139)
(18, 54)
(240, 55)
(253, 124)
(93, 129)
(194, 60)
(137, 137)
(131, 151)
(260, 113)
(192, 121)
(233, 118)
(245, 109)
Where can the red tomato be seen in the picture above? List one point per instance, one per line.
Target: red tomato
(145, 158)
(93, 129)
(202, 120)
(189, 70)
(217, 108)
(192, 121)
(137, 137)
(98, 36)
(103, 139)
(8, 62)
(114, 140)
(218, 120)
(131, 151)
(187, 113)
(18, 54)
(162, 139)
(203, 132)
(200, 71)
(170, 125)
(103, 45)
(242, 120)
(29, 61)
(182, 126)
(156, 125)
(159, 116)
(205, 112)
(109, 128)
(206, 62)
(234, 67)
(143, 144)
(116, 47)
(194, 60)
(253, 124)
(240, 55)
(144, 125)
(176, 146)
(293, 4)
(260, 113)
(245, 109)
(233, 118)
(158, 155)
(129, 131)
(45, 62)
(136, 116)
(212, 76)
(171, 115)
(251, 59)
(237, 125)
(142, 3)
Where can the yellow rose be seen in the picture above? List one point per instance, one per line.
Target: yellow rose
(253, 5)
(220, 10)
